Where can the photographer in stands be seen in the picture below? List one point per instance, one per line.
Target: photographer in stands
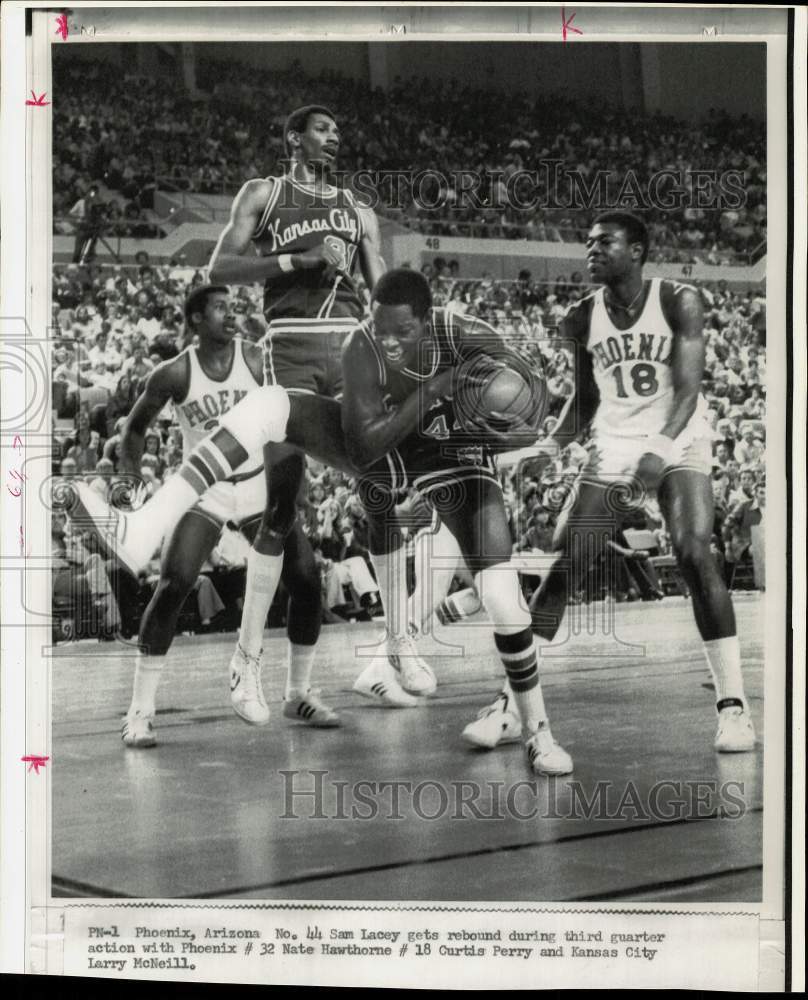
(90, 215)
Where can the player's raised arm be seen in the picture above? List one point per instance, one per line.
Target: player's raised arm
(231, 261)
(683, 309)
(164, 383)
(371, 428)
(370, 259)
(582, 404)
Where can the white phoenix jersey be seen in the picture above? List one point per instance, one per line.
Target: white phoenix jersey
(632, 369)
(207, 399)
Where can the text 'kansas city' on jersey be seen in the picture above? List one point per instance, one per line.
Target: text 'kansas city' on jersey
(298, 217)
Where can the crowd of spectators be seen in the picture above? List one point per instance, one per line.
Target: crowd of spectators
(112, 325)
(136, 135)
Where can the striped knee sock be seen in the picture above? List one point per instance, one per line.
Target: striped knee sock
(213, 459)
(518, 653)
(257, 419)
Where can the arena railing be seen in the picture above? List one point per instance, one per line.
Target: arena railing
(193, 198)
(447, 226)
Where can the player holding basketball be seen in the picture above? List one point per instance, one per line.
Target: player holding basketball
(204, 383)
(402, 368)
(640, 362)
(301, 236)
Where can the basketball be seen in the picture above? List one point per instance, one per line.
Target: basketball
(506, 393)
(494, 396)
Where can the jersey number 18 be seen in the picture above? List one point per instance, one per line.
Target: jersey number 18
(643, 380)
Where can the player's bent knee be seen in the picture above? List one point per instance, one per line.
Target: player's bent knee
(261, 417)
(693, 554)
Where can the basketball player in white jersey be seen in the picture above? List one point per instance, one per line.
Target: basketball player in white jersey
(640, 362)
(204, 383)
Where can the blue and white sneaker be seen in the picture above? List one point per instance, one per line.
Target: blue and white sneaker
(246, 690)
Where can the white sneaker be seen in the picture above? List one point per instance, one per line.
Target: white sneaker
(128, 537)
(312, 711)
(415, 674)
(736, 732)
(545, 755)
(246, 692)
(137, 731)
(496, 723)
(379, 682)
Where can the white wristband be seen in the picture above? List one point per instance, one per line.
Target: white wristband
(659, 444)
(285, 263)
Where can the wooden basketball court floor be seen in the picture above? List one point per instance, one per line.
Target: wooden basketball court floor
(209, 813)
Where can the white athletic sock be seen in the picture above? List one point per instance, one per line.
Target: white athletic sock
(391, 576)
(263, 574)
(724, 660)
(434, 553)
(298, 674)
(148, 671)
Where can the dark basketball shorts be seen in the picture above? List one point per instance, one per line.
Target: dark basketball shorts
(445, 477)
(304, 355)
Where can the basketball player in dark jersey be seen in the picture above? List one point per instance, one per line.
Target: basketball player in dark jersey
(303, 237)
(204, 383)
(640, 362)
(399, 406)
